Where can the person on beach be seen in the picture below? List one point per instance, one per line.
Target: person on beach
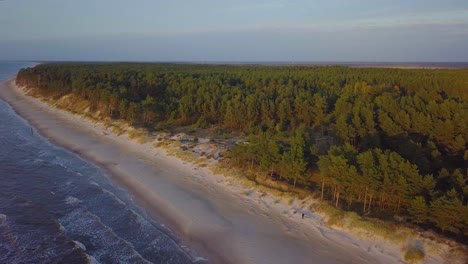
(302, 215)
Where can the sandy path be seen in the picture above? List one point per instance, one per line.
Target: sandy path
(227, 226)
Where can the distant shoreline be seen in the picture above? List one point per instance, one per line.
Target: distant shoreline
(397, 65)
(352, 64)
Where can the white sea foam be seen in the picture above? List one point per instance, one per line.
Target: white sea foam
(113, 196)
(72, 200)
(35, 161)
(79, 244)
(199, 259)
(3, 218)
(92, 260)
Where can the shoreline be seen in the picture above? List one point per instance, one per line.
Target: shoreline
(155, 211)
(196, 204)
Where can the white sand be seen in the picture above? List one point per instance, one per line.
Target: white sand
(208, 214)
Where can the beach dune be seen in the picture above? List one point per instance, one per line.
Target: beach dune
(222, 224)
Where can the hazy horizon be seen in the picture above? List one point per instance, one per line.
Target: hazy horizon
(234, 31)
(455, 64)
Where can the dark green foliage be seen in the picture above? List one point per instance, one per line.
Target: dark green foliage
(384, 140)
(448, 213)
(418, 210)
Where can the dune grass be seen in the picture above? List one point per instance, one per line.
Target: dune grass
(368, 228)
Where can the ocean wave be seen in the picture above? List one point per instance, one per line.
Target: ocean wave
(199, 259)
(24, 239)
(100, 241)
(80, 245)
(114, 197)
(72, 200)
(57, 208)
(92, 260)
(3, 218)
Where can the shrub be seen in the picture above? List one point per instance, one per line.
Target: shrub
(414, 255)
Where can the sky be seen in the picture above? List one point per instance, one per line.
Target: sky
(235, 30)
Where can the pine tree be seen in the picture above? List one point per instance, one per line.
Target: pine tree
(418, 210)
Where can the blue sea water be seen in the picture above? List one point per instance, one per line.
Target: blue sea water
(57, 208)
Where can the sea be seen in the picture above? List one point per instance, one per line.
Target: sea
(58, 208)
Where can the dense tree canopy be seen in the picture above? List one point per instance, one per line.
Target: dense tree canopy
(384, 140)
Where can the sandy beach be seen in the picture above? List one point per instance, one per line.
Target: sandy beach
(208, 214)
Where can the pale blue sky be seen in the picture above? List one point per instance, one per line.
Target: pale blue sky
(234, 30)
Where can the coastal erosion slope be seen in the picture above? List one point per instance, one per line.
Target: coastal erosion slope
(211, 217)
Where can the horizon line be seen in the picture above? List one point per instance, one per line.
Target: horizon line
(449, 64)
